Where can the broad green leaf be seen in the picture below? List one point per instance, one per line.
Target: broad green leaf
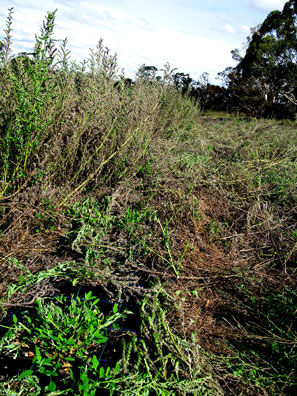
(95, 362)
(117, 368)
(28, 319)
(10, 346)
(100, 338)
(88, 296)
(69, 359)
(38, 354)
(101, 372)
(26, 373)
(51, 372)
(74, 282)
(48, 362)
(52, 386)
(107, 372)
(39, 304)
(115, 308)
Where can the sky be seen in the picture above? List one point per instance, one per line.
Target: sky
(194, 36)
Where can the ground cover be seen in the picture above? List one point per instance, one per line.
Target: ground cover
(145, 250)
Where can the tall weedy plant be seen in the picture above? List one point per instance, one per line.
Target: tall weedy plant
(77, 125)
(5, 48)
(29, 85)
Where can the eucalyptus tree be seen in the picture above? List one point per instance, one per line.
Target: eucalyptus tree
(265, 78)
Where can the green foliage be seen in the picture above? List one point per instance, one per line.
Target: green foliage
(5, 45)
(265, 77)
(64, 335)
(161, 362)
(80, 125)
(46, 217)
(175, 264)
(30, 86)
(91, 223)
(65, 270)
(119, 183)
(274, 368)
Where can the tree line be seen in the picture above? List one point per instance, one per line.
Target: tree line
(262, 84)
(264, 81)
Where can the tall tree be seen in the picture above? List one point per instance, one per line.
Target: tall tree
(272, 53)
(183, 82)
(147, 73)
(267, 74)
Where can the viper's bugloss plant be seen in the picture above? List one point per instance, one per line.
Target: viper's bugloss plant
(81, 125)
(30, 86)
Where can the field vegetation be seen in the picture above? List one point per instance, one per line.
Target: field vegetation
(145, 249)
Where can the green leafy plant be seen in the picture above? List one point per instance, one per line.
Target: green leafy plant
(64, 336)
(162, 362)
(91, 223)
(31, 87)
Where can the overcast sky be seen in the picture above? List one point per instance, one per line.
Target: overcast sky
(194, 36)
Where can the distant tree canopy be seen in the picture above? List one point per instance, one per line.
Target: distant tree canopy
(147, 73)
(264, 82)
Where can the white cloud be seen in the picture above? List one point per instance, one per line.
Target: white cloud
(229, 28)
(136, 40)
(268, 5)
(245, 29)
